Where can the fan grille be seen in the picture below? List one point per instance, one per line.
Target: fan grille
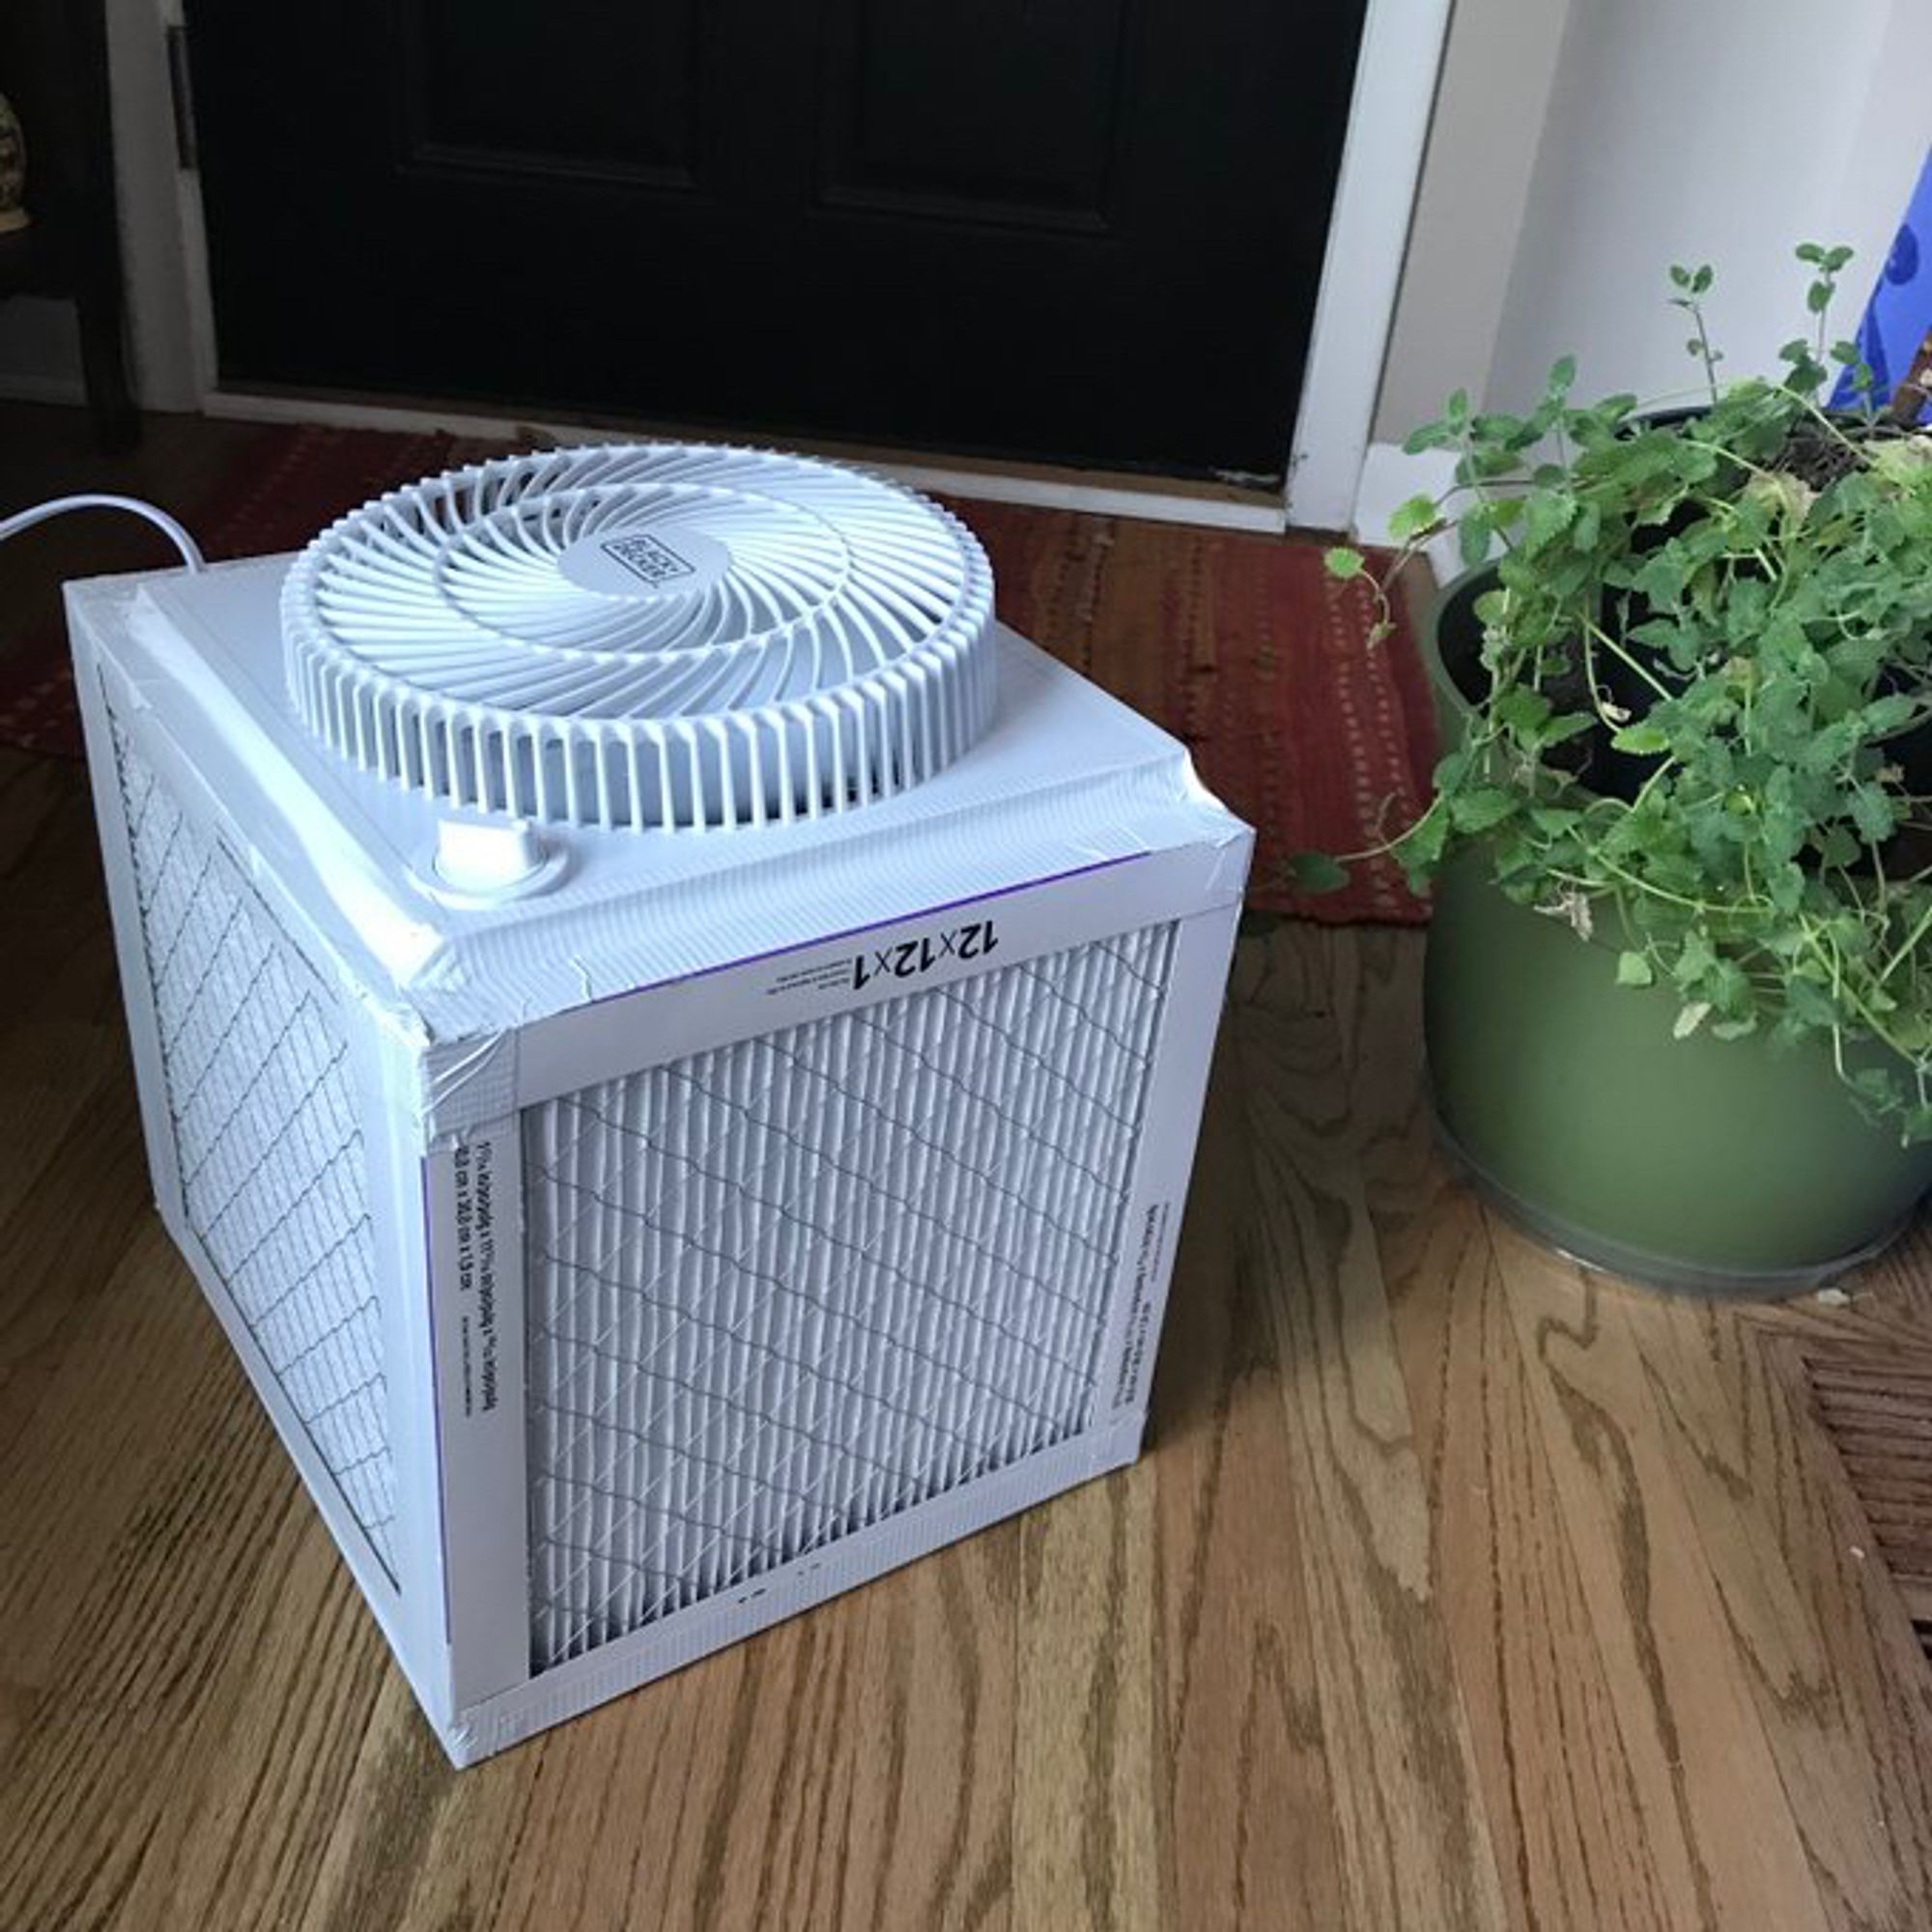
(646, 635)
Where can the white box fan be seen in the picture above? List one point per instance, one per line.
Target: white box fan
(671, 1041)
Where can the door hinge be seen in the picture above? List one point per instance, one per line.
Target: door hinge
(181, 93)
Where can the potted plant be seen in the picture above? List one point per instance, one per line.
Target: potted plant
(1679, 983)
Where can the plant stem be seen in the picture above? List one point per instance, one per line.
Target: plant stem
(1590, 625)
(1918, 931)
(1704, 355)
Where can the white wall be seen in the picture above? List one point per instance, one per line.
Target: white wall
(1712, 132)
(1498, 71)
(148, 183)
(1578, 148)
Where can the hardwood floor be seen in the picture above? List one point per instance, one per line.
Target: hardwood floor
(1455, 1590)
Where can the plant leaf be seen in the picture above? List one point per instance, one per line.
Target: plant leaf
(1690, 1018)
(1317, 873)
(1873, 812)
(1410, 519)
(1642, 737)
(1482, 809)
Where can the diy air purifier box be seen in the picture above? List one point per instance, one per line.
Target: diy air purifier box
(648, 1209)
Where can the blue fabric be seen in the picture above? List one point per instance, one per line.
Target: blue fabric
(1900, 309)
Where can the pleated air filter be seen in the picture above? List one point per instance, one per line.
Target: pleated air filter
(671, 1041)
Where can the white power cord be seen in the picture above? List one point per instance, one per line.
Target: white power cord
(25, 520)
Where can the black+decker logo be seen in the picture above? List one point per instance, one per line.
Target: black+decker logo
(648, 558)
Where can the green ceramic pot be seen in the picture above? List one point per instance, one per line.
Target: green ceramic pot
(1706, 1164)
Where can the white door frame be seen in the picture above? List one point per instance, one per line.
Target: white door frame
(1396, 72)
(1394, 92)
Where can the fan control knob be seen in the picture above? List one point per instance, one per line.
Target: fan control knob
(488, 857)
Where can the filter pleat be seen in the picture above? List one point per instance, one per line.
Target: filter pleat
(788, 1288)
(268, 1145)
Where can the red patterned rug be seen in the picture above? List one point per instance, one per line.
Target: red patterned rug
(1241, 645)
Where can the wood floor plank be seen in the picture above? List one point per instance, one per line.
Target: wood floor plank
(76, 1198)
(1898, 1284)
(652, 1812)
(58, 961)
(930, 1842)
(51, 1071)
(1562, 1797)
(847, 1768)
(1416, 1845)
(1703, 1767)
(727, 1797)
(1875, 1409)
(1826, 1645)
(1883, 1320)
(1089, 1750)
(1534, 1691)
(99, 1431)
(370, 1847)
(269, 1750)
(1250, 1822)
(146, 1689)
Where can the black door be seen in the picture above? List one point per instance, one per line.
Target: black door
(1081, 230)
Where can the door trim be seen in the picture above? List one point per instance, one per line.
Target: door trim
(1396, 75)
(1389, 112)
(1099, 493)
